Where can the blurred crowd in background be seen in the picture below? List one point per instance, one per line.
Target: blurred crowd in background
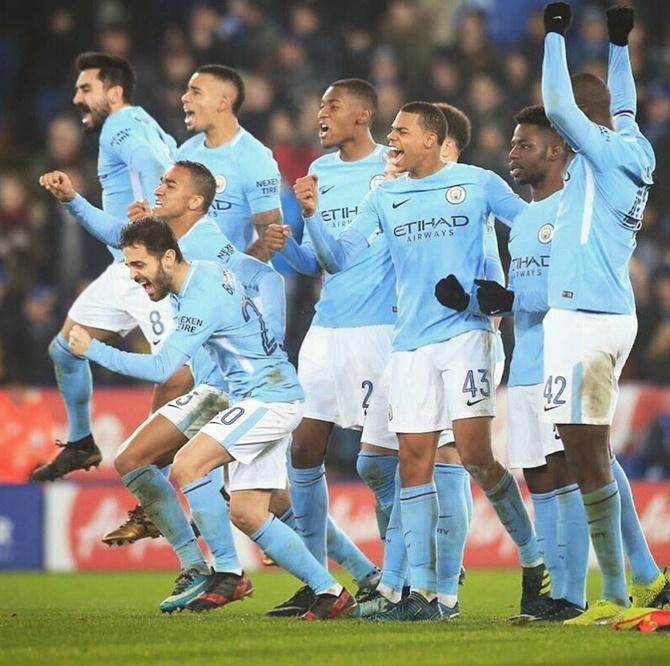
(481, 55)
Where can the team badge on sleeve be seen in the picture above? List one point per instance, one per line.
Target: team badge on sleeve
(546, 233)
(221, 183)
(377, 180)
(456, 195)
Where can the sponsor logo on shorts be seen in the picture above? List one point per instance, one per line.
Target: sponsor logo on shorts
(568, 294)
(456, 195)
(548, 409)
(472, 403)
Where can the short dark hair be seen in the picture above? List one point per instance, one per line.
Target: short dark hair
(203, 181)
(431, 118)
(590, 90)
(361, 89)
(224, 73)
(154, 234)
(533, 115)
(458, 124)
(114, 71)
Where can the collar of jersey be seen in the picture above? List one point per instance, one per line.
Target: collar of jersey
(374, 154)
(230, 144)
(189, 277)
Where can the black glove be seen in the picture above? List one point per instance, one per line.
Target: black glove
(493, 297)
(620, 21)
(450, 293)
(557, 17)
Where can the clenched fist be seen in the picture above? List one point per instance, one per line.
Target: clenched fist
(138, 210)
(59, 185)
(79, 341)
(307, 193)
(275, 236)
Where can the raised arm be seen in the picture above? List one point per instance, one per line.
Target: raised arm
(620, 21)
(99, 224)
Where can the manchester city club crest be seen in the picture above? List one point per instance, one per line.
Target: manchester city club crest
(546, 233)
(456, 195)
(221, 183)
(377, 180)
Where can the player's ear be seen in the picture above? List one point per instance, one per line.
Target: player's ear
(364, 117)
(195, 202)
(115, 95)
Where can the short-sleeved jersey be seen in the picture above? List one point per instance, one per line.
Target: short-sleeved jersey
(247, 182)
(364, 293)
(134, 153)
(433, 226)
(603, 200)
(530, 256)
(213, 310)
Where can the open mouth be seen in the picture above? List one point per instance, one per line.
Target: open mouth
(146, 285)
(189, 117)
(86, 115)
(395, 155)
(515, 170)
(323, 130)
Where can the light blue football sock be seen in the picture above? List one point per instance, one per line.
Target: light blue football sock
(288, 550)
(288, 518)
(210, 514)
(394, 570)
(644, 570)
(452, 527)
(346, 553)
(159, 501)
(378, 473)
(73, 376)
(603, 512)
(309, 498)
(505, 498)
(419, 511)
(546, 519)
(573, 544)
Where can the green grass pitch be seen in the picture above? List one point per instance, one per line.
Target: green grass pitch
(113, 618)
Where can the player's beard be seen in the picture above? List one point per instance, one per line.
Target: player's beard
(161, 285)
(98, 114)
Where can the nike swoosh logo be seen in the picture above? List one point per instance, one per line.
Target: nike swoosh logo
(470, 403)
(548, 409)
(325, 190)
(156, 342)
(396, 204)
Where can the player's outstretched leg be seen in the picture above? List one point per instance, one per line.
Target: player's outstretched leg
(73, 376)
(650, 588)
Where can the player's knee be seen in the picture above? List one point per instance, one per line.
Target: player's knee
(306, 453)
(127, 460)
(370, 472)
(481, 474)
(246, 518)
(182, 469)
(58, 351)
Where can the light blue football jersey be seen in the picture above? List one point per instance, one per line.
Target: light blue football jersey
(363, 294)
(605, 193)
(433, 226)
(213, 310)
(247, 182)
(530, 258)
(134, 153)
(205, 240)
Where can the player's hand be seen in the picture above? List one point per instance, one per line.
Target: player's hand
(138, 210)
(557, 17)
(493, 298)
(620, 21)
(450, 293)
(79, 340)
(275, 236)
(306, 190)
(59, 185)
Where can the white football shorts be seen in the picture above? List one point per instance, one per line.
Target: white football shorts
(584, 353)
